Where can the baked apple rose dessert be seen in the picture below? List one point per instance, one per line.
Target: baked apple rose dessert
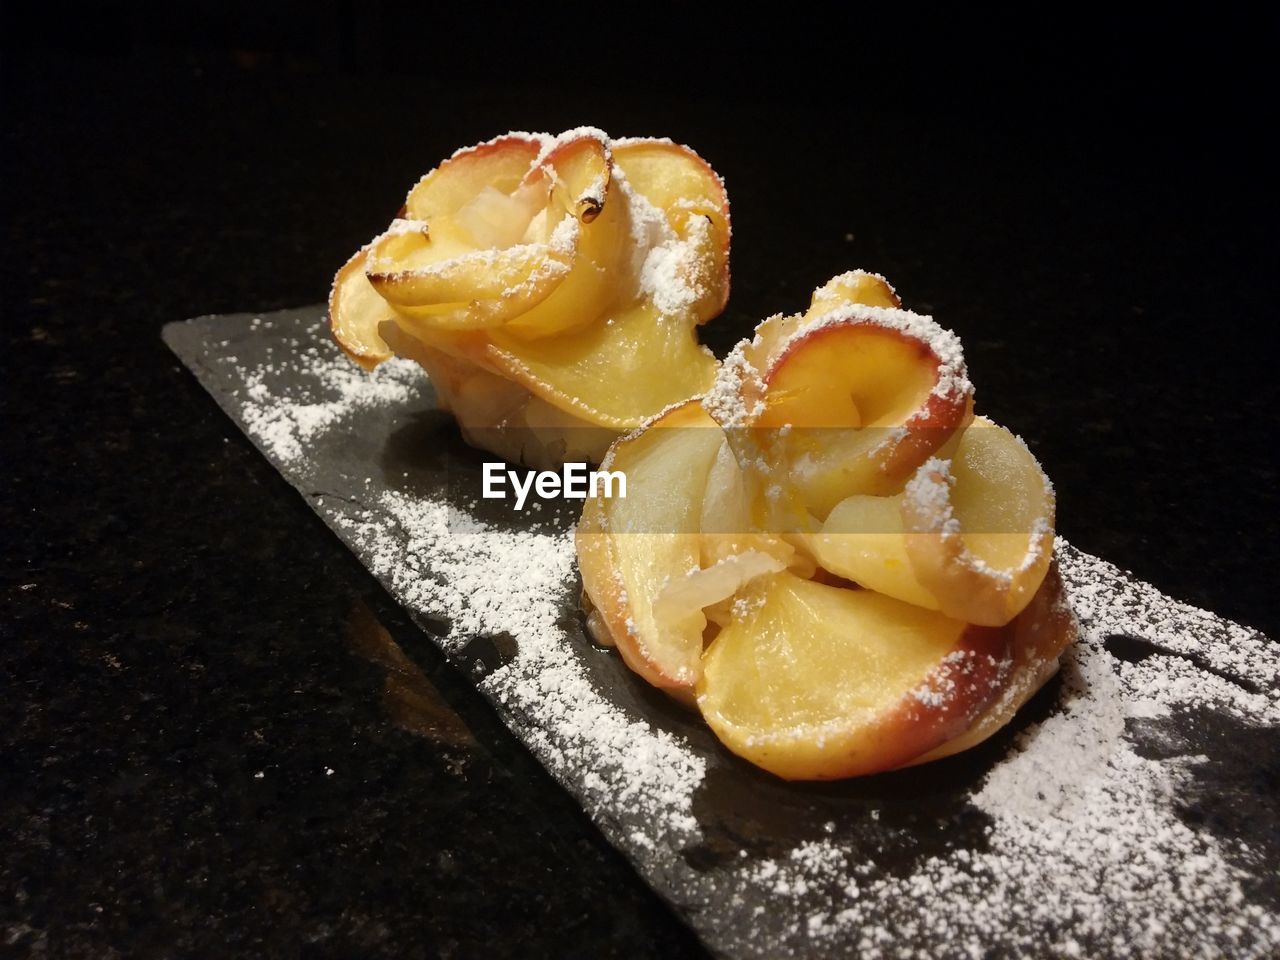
(829, 553)
(550, 287)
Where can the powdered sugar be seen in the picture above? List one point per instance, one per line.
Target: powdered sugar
(1086, 854)
(851, 278)
(285, 423)
(550, 143)
(669, 274)
(648, 225)
(402, 228)
(959, 673)
(442, 563)
(564, 238)
(737, 396)
(1086, 851)
(664, 266)
(664, 277)
(930, 490)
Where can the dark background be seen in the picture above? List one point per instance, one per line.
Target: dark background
(1089, 202)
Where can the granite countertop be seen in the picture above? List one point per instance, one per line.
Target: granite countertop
(212, 741)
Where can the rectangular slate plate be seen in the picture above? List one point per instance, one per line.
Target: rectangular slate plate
(1129, 809)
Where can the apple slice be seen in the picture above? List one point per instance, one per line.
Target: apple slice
(446, 284)
(726, 511)
(701, 588)
(727, 527)
(489, 256)
(680, 184)
(979, 527)
(355, 312)
(848, 398)
(870, 393)
(579, 168)
(972, 537)
(845, 289)
(630, 549)
(583, 189)
(1044, 628)
(818, 682)
(738, 397)
(501, 164)
(497, 414)
(864, 540)
(615, 372)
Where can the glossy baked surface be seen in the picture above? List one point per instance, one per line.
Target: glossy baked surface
(189, 623)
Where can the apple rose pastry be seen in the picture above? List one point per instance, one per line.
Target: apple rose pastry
(844, 567)
(550, 287)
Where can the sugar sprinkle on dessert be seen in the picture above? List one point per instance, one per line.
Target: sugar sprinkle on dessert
(900, 602)
(1087, 852)
(550, 286)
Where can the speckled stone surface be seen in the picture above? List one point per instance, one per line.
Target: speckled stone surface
(175, 621)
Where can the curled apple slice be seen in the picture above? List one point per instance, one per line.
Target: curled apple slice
(869, 394)
(691, 198)
(848, 398)
(727, 527)
(846, 289)
(738, 399)
(1044, 628)
(726, 510)
(979, 527)
(545, 261)
(630, 549)
(584, 193)
(580, 170)
(486, 258)
(864, 540)
(447, 286)
(355, 313)
(704, 587)
(500, 165)
(615, 373)
(817, 682)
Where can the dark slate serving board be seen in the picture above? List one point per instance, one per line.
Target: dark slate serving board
(876, 866)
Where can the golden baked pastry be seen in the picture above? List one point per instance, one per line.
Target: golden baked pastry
(843, 567)
(550, 287)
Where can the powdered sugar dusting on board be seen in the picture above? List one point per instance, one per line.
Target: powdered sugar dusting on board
(1086, 849)
(442, 563)
(1086, 853)
(284, 422)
